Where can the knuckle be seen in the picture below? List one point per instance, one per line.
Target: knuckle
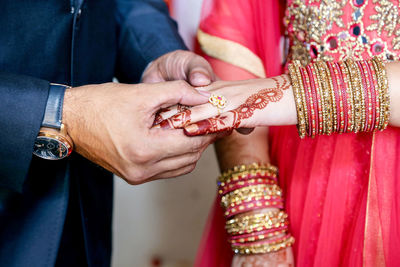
(138, 154)
(190, 168)
(181, 84)
(197, 156)
(204, 142)
(197, 146)
(135, 176)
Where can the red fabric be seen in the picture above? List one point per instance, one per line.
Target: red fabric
(342, 191)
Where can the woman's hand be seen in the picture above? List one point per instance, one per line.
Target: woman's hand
(250, 103)
(282, 258)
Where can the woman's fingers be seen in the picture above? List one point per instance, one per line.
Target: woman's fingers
(222, 123)
(189, 115)
(167, 113)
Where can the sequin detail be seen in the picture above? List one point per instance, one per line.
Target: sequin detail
(337, 29)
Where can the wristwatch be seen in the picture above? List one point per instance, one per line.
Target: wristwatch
(53, 142)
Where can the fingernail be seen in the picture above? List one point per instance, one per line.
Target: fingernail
(199, 79)
(203, 92)
(157, 126)
(191, 130)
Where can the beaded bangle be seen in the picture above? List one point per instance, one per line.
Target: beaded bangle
(380, 93)
(384, 92)
(246, 170)
(262, 190)
(348, 95)
(246, 199)
(321, 94)
(301, 122)
(367, 94)
(317, 95)
(373, 96)
(303, 97)
(287, 241)
(226, 188)
(251, 223)
(256, 236)
(253, 205)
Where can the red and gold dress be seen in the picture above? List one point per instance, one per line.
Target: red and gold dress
(342, 191)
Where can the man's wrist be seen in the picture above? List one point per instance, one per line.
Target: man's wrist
(54, 106)
(53, 142)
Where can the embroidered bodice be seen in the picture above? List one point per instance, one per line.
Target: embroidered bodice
(337, 29)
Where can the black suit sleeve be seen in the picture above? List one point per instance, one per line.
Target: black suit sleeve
(22, 104)
(146, 32)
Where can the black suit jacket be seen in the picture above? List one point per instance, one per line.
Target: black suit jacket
(61, 211)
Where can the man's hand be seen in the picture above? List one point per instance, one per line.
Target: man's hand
(110, 124)
(179, 65)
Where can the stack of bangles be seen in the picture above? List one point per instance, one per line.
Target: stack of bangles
(246, 191)
(340, 97)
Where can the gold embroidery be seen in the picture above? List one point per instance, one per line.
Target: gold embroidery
(312, 36)
(310, 23)
(386, 19)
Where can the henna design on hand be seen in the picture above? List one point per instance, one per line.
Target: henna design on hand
(159, 118)
(234, 118)
(175, 121)
(165, 114)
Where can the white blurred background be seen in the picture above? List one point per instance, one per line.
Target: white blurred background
(160, 223)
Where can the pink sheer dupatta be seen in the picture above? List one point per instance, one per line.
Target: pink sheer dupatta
(342, 191)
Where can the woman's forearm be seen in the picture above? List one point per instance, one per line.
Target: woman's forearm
(331, 102)
(286, 107)
(393, 74)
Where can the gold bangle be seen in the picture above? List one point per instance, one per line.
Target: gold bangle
(383, 92)
(350, 97)
(303, 96)
(320, 87)
(379, 121)
(357, 88)
(301, 120)
(326, 96)
(264, 191)
(256, 222)
(259, 237)
(270, 199)
(264, 248)
(331, 93)
(253, 169)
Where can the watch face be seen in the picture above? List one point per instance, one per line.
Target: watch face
(50, 148)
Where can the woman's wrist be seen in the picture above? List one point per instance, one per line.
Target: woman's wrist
(282, 112)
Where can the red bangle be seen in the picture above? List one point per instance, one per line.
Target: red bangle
(257, 234)
(258, 237)
(266, 242)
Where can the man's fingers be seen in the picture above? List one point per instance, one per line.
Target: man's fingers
(198, 78)
(199, 71)
(175, 173)
(178, 143)
(177, 92)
